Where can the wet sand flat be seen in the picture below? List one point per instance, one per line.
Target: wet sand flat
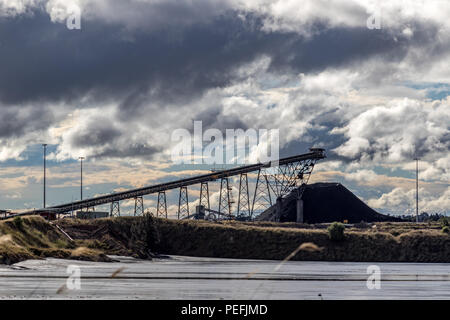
(208, 278)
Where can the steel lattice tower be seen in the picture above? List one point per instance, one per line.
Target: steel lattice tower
(262, 199)
(204, 195)
(284, 179)
(138, 206)
(225, 198)
(243, 209)
(161, 209)
(183, 203)
(115, 209)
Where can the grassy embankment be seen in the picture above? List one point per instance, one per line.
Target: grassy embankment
(407, 242)
(33, 238)
(142, 236)
(389, 242)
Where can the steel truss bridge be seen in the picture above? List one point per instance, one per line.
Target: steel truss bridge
(277, 178)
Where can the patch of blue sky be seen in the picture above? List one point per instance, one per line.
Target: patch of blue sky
(394, 172)
(273, 82)
(434, 90)
(33, 156)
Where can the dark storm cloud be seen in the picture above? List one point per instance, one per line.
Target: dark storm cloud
(98, 133)
(14, 122)
(320, 138)
(212, 118)
(45, 61)
(144, 69)
(41, 60)
(137, 150)
(343, 46)
(102, 134)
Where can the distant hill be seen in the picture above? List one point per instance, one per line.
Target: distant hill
(327, 202)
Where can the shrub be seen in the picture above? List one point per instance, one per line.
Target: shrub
(446, 229)
(18, 222)
(444, 222)
(362, 225)
(144, 235)
(336, 231)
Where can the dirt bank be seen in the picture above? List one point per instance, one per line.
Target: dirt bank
(386, 242)
(33, 237)
(125, 236)
(142, 237)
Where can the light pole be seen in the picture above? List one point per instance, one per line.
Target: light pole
(45, 152)
(81, 177)
(417, 189)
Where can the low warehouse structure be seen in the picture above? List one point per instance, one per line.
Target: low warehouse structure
(91, 214)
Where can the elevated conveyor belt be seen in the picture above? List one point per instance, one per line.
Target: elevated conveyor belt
(314, 154)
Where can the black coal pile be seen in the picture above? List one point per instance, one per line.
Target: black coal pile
(326, 202)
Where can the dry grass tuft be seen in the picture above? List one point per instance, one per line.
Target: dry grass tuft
(6, 239)
(83, 253)
(310, 247)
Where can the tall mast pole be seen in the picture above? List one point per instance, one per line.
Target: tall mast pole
(417, 189)
(81, 178)
(45, 151)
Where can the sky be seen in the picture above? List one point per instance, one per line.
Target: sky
(369, 81)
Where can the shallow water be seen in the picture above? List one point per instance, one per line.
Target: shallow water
(208, 278)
